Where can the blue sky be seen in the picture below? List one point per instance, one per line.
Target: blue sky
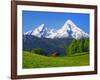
(32, 19)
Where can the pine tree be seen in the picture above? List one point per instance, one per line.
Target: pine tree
(78, 46)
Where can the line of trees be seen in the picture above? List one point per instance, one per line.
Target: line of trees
(75, 47)
(78, 46)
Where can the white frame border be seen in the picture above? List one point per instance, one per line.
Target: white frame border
(21, 71)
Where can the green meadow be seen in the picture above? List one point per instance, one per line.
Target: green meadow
(33, 60)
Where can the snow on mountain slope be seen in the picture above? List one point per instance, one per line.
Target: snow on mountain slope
(40, 31)
(68, 30)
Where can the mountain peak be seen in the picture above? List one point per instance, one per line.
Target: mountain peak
(68, 30)
(69, 24)
(41, 27)
(69, 21)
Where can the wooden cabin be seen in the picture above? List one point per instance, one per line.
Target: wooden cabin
(55, 54)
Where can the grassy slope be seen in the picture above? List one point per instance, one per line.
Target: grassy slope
(31, 60)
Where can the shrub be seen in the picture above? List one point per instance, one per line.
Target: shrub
(38, 51)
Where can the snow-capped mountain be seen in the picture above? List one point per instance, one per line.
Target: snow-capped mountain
(68, 30)
(40, 31)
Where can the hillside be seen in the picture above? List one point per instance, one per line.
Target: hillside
(32, 60)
